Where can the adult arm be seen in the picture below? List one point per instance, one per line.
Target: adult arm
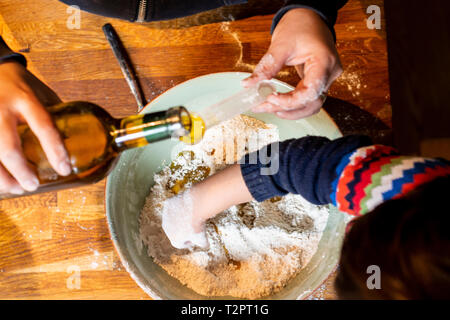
(6, 54)
(303, 37)
(326, 9)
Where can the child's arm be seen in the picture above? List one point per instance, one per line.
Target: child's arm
(348, 172)
(219, 192)
(184, 216)
(303, 166)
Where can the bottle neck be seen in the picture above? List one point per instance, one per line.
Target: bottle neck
(140, 130)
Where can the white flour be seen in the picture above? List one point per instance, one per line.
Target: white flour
(256, 248)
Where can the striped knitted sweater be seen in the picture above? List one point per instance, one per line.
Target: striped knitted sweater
(349, 172)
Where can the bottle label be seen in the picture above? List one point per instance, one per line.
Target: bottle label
(155, 127)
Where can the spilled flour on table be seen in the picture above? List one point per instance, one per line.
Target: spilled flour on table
(255, 248)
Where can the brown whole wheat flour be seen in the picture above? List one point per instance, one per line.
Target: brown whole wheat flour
(256, 248)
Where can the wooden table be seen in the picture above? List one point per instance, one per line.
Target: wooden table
(47, 240)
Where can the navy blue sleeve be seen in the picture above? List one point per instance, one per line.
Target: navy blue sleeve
(305, 166)
(327, 9)
(6, 54)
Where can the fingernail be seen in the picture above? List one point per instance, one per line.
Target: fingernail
(16, 190)
(64, 168)
(31, 185)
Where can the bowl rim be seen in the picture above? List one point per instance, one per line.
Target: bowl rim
(153, 295)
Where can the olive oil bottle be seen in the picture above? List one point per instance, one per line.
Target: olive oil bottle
(94, 140)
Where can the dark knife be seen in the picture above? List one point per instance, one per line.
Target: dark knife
(125, 64)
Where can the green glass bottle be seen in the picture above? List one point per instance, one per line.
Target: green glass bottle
(94, 140)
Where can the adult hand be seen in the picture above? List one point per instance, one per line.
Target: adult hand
(22, 100)
(301, 39)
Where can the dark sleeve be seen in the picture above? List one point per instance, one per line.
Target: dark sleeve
(305, 166)
(6, 54)
(327, 9)
(170, 9)
(155, 10)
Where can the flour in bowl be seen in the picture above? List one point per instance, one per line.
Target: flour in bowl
(255, 248)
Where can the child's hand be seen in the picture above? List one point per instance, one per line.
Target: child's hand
(301, 39)
(182, 224)
(184, 216)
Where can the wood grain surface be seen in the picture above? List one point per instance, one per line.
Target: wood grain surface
(47, 240)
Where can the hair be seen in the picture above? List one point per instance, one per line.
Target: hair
(408, 239)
